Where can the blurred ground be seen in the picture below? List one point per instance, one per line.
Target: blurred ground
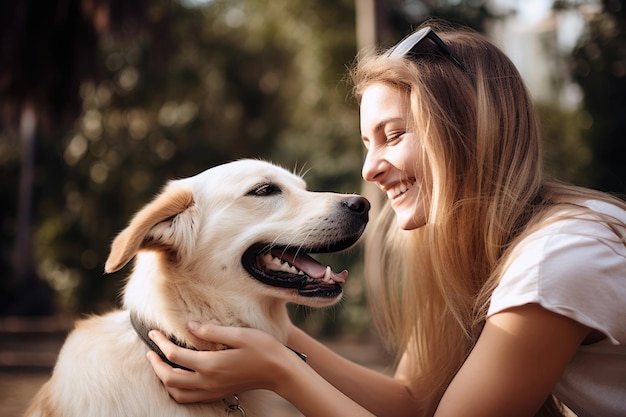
(29, 346)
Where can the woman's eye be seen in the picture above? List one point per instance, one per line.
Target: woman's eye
(394, 136)
(264, 190)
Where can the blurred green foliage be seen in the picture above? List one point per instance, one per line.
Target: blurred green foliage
(197, 86)
(599, 67)
(202, 83)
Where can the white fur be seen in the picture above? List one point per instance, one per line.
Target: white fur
(188, 244)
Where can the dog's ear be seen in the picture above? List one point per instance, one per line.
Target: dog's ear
(159, 225)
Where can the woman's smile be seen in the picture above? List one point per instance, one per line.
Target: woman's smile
(395, 160)
(397, 192)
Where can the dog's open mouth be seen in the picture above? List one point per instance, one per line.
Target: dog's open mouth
(288, 267)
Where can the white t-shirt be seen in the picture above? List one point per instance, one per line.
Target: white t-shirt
(577, 268)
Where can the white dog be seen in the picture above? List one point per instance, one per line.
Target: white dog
(229, 244)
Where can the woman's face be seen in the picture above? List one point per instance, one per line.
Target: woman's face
(394, 160)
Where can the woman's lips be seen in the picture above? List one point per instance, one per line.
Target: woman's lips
(398, 189)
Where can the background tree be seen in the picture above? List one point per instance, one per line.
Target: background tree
(127, 94)
(599, 67)
(46, 50)
(194, 86)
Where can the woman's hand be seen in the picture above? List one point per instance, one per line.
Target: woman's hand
(253, 361)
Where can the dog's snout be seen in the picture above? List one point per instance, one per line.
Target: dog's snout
(357, 204)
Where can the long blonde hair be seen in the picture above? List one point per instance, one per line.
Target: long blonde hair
(430, 289)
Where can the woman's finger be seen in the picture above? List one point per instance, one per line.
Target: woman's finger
(191, 396)
(248, 364)
(190, 359)
(214, 333)
(172, 377)
(181, 385)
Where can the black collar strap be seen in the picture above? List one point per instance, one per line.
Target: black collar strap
(142, 331)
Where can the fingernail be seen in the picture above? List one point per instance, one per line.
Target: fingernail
(193, 325)
(151, 334)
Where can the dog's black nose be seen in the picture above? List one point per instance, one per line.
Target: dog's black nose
(358, 204)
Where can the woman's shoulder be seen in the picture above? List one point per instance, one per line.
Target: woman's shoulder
(590, 217)
(615, 209)
(588, 232)
(573, 264)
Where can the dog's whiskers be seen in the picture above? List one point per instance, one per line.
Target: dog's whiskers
(302, 172)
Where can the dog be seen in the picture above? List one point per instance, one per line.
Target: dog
(228, 245)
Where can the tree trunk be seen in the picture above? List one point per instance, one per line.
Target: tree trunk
(33, 295)
(23, 250)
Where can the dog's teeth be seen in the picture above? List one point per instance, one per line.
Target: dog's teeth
(328, 275)
(286, 267)
(277, 264)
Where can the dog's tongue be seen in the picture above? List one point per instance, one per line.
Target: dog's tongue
(309, 266)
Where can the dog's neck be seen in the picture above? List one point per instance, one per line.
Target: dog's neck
(154, 298)
(142, 329)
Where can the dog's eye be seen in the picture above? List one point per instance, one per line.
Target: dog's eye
(264, 190)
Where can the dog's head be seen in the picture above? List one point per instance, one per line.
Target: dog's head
(243, 229)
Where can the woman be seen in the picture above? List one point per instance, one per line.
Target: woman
(498, 286)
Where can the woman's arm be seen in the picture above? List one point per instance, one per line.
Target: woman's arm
(257, 360)
(518, 359)
(381, 394)
(515, 364)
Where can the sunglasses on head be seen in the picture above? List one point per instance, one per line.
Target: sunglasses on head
(406, 45)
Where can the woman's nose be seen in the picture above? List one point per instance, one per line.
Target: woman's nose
(373, 166)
